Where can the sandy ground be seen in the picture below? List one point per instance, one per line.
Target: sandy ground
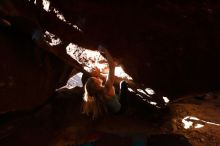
(60, 123)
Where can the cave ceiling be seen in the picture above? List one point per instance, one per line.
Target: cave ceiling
(169, 46)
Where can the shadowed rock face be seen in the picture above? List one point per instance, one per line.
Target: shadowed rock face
(29, 74)
(171, 47)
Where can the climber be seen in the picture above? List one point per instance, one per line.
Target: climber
(100, 98)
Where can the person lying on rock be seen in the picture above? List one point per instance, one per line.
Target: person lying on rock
(100, 99)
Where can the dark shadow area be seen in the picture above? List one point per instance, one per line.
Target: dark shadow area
(168, 140)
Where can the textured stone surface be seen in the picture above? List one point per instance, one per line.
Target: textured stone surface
(171, 47)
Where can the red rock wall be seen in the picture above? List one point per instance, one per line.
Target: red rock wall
(169, 46)
(29, 75)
